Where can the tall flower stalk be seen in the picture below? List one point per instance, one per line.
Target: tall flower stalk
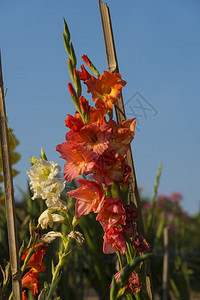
(96, 145)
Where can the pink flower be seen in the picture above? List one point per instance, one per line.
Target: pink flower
(141, 244)
(78, 161)
(176, 197)
(133, 283)
(112, 213)
(89, 195)
(93, 137)
(114, 240)
(108, 168)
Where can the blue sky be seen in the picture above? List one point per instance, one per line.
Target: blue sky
(158, 48)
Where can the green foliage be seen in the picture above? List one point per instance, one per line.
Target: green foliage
(165, 211)
(14, 156)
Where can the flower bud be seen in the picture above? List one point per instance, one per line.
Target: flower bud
(75, 221)
(90, 65)
(33, 160)
(84, 104)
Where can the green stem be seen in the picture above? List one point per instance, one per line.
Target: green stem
(119, 256)
(57, 270)
(137, 297)
(31, 250)
(52, 287)
(11, 296)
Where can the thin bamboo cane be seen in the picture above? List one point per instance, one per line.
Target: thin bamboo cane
(165, 284)
(121, 116)
(9, 197)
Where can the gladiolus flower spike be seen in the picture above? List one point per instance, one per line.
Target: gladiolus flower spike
(95, 144)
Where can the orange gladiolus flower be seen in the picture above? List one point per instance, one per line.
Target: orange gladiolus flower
(106, 89)
(93, 137)
(108, 168)
(84, 74)
(96, 115)
(74, 123)
(83, 148)
(35, 261)
(90, 196)
(29, 281)
(78, 161)
(122, 135)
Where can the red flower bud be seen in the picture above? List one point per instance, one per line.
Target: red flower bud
(71, 89)
(86, 60)
(84, 104)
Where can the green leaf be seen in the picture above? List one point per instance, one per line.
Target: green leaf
(114, 289)
(52, 268)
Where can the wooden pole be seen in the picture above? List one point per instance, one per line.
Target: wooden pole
(166, 264)
(121, 116)
(119, 107)
(9, 197)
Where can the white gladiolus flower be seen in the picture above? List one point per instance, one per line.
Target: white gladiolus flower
(58, 218)
(41, 174)
(53, 191)
(59, 205)
(47, 218)
(50, 236)
(43, 182)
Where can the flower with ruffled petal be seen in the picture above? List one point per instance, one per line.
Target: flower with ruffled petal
(52, 192)
(122, 135)
(114, 240)
(74, 123)
(47, 218)
(93, 137)
(35, 261)
(89, 195)
(109, 168)
(78, 161)
(106, 89)
(29, 281)
(41, 174)
(133, 284)
(112, 213)
(96, 115)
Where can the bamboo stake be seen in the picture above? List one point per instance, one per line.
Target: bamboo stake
(121, 116)
(9, 197)
(165, 284)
